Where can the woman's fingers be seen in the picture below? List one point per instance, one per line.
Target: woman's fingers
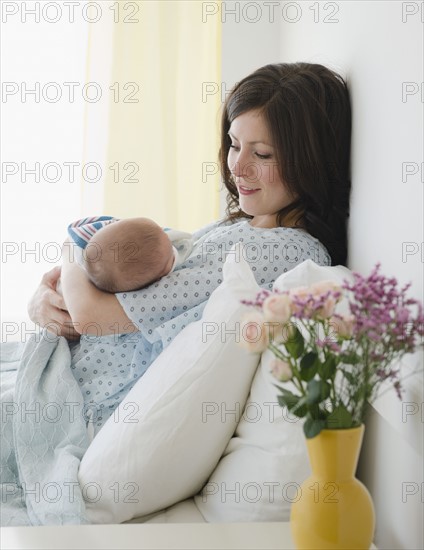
(51, 277)
(57, 320)
(56, 299)
(62, 325)
(48, 309)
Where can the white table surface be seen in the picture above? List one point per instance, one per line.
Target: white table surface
(184, 536)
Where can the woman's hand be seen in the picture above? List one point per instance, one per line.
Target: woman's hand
(47, 307)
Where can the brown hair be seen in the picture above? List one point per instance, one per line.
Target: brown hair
(127, 255)
(307, 110)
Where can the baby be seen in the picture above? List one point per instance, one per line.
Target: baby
(129, 254)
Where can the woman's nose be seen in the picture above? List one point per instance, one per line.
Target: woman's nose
(239, 164)
(244, 168)
(235, 167)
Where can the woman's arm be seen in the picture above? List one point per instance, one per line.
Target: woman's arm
(47, 307)
(92, 310)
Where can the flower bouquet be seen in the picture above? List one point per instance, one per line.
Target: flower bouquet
(336, 363)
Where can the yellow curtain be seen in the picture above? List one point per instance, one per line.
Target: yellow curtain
(163, 125)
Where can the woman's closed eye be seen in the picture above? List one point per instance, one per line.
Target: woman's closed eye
(259, 155)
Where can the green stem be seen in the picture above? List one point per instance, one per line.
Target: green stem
(296, 376)
(366, 376)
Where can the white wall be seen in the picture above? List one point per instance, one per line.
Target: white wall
(378, 52)
(42, 137)
(377, 46)
(249, 41)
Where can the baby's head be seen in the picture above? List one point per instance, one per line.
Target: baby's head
(128, 255)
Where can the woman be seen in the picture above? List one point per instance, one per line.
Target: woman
(284, 158)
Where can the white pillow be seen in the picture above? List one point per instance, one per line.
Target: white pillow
(167, 450)
(265, 462)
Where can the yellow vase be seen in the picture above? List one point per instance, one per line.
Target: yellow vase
(334, 509)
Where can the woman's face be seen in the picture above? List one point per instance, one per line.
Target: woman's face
(253, 164)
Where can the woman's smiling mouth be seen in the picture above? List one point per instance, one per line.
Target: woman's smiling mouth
(246, 190)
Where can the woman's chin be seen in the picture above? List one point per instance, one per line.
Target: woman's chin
(265, 221)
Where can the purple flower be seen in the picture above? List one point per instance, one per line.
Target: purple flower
(362, 347)
(398, 389)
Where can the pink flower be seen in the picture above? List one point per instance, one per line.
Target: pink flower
(329, 293)
(299, 297)
(322, 287)
(301, 292)
(281, 370)
(277, 308)
(253, 332)
(343, 325)
(327, 309)
(317, 301)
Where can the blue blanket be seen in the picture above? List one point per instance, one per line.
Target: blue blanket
(43, 434)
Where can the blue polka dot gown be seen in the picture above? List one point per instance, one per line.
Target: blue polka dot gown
(107, 367)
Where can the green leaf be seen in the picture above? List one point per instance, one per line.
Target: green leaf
(296, 344)
(314, 411)
(314, 392)
(300, 409)
(350, 358)
(318, 390)
(288, 399)
(339, 419)
(284, 402)
(312, 427)
(308, 360)
(295, 403)
(327, 369)
(325, 390)
(309, 366)
(349, 377)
